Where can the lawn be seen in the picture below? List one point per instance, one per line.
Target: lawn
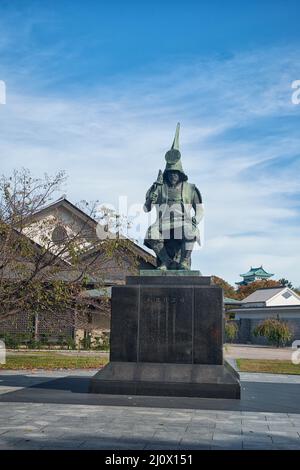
(52, 360)
(269, 366)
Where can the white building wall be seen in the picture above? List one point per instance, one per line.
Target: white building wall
(41, 229)
(281, 299)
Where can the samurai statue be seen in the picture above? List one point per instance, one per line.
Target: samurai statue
(179, 211)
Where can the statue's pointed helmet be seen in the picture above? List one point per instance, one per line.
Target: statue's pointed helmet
(173, 157)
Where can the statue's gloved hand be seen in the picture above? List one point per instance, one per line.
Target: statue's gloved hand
(153, 197)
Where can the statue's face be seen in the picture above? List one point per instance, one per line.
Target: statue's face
(173, 177)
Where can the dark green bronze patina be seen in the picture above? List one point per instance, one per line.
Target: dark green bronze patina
(173, 234)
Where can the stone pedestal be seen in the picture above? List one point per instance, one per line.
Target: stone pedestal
(167, 339)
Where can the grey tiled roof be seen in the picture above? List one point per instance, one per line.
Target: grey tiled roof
(262, 295)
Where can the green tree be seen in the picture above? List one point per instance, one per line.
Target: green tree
(228, 289)
(40, 274)
(286, 283)
(231, 330)
(274, 330)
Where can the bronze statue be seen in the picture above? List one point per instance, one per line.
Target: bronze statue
(173, 234)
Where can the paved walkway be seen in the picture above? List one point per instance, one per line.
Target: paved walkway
(232, 351)
(244, 351)
(52, 410)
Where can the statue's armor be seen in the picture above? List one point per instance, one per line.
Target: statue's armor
(174, 218)
(180, 199)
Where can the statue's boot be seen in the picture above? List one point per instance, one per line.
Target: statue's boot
(185, 262)
(162, 254)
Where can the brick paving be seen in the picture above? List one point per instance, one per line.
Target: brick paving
(52, 410)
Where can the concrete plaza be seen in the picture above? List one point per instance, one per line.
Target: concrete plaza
(52, 410)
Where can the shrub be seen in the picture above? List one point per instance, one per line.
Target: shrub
(34, 344)
(105, 341)
(274, 330)
(15, 340)
(231, 331)
(86, 342)
(11, 341)
(70, 342)
(97, 343)
(44, 340)
(67, 342)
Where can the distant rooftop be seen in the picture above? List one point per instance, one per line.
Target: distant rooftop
(260, 272)
(229, 301)
(262, 295)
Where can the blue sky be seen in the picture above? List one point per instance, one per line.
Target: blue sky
(96, 88)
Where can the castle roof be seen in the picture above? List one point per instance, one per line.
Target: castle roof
(259, 272)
